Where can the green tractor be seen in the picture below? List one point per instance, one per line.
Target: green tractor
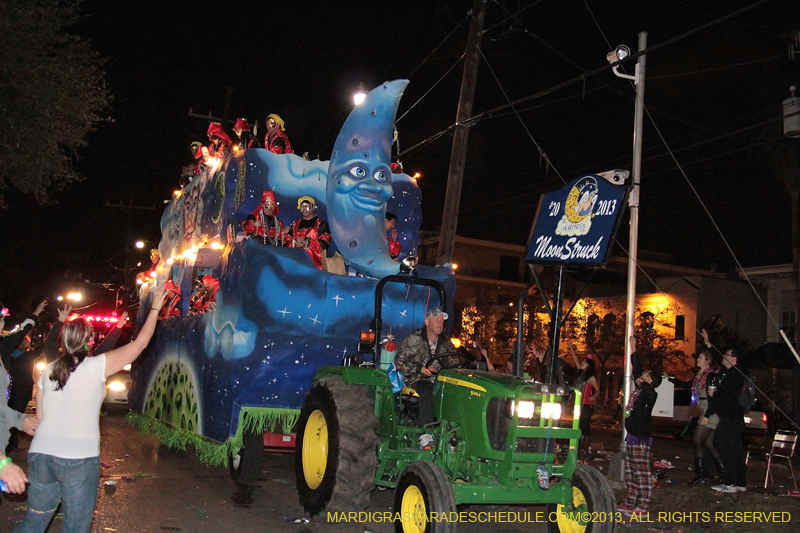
(497, 440)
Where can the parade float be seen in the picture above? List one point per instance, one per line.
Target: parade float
(242, 368)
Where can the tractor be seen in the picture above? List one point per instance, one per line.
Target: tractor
(497, 440)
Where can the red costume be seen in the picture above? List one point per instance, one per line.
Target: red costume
(220, 142)
(276, 141)
(172, 300)
(246, 138)
(207, 295)
(315, 229)
(394, 247)
(270, 230)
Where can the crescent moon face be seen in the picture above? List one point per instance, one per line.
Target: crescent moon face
(360, 182)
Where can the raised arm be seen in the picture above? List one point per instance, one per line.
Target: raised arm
(575, 361)
(112, 336)
(124, 355)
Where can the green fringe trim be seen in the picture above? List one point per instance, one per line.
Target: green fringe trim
(210, 452)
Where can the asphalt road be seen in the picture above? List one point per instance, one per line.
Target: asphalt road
(158, 490)
(161, 490)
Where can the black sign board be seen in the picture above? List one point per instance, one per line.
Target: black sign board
(576, 223)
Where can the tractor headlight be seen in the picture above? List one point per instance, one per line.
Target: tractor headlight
(525, 409)
(551, 410)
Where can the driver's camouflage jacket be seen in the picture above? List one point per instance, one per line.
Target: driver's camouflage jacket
(415, 352)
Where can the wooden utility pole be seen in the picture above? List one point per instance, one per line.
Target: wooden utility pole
(129, 208)
(458, 155)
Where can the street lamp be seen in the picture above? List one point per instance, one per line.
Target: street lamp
(360, 94)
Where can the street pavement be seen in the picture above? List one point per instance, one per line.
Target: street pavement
(158, 490)
(145, 487)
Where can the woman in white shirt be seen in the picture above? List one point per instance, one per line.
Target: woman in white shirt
(64, 457)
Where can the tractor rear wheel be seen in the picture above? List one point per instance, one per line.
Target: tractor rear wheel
(423, 488)
(592, 497)
(336, 448)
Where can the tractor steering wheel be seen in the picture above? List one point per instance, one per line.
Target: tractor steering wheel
(445, 360)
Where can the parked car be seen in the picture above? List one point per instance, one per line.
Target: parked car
(117, 387)
(681, 425)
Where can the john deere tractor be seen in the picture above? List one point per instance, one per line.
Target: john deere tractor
(497, 439)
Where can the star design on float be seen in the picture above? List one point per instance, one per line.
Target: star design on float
(284, 312)
(403, 313)
(336, 299)
(315, 321)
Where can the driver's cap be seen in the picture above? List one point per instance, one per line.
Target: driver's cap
(436, 311)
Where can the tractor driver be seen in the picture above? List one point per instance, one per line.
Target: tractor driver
(414, 357)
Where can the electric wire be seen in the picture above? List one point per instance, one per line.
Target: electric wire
(722, 236)
(542, 153)
(429, 90)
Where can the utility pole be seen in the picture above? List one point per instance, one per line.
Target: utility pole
(458, 154)
(129, 209)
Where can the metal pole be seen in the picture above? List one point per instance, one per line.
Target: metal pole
(519, 345)
(551, 362)
(633, 245)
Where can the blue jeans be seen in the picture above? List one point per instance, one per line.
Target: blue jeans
(72, 481)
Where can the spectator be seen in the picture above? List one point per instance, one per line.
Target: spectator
(276, 140)
(10, 342)
(19, 365)
(590, 391)
(10, 473)
(703, 439)
(64, 458)
(638, 423)
(724, 402)
(391, 237)
(310, 232)
(414, 360)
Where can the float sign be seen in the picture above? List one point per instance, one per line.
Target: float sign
(576, 223)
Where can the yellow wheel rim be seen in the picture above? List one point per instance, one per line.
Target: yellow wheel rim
(573, 522)
(414, 517)
(315, 449)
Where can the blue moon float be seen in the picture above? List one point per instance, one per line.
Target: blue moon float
(277, 317)
(359, 181)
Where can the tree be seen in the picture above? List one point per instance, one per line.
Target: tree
(52, 94)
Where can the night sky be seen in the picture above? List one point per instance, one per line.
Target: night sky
(715, 97)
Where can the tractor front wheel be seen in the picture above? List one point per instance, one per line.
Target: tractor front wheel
(423, 489)
(592, 496)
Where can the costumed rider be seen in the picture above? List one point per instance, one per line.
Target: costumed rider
(246, 138)
(150, 273)
(204, 299)
(220, 142)
(391, 235)
(191, 171)
(263, 223)
(173, 298)
(276, 140)
(414, 357)
(310, 232)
